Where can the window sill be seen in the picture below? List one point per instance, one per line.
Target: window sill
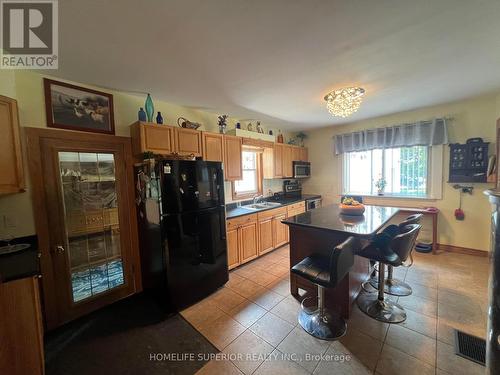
(394, 197)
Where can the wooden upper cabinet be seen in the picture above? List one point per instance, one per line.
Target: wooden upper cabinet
(11, 163)
(213, 146)
(232, 158)
(158, 139)
(287, 161)
(303, 154)
(188, 141)
(296, 153)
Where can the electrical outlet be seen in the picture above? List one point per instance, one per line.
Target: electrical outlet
(9, 221)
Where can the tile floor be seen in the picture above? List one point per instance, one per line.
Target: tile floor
(253, 321)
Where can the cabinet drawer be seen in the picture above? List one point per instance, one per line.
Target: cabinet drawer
(239, 221)
(297, 206)
(272, 213)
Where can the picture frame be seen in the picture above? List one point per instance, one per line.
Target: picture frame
(74, 107)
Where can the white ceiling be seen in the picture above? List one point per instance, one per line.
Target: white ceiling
(274, 60)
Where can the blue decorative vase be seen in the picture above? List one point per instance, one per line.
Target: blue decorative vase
(159, 119)
(142, 115)
(150, 108)
(238, 125)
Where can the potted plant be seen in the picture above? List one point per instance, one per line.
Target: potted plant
(380, 184)
(301, 136)
(222, 122)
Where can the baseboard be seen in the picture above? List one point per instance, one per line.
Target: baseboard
(463, 250)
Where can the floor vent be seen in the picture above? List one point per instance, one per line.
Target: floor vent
(470, 347)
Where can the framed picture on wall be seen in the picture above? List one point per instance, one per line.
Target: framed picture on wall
(78, 108)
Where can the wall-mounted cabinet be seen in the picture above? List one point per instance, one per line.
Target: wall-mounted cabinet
(188, 142)
(232, 158)
(153, 138)
(278, 161)
(10, 148)
(213, 146)
(287, 161)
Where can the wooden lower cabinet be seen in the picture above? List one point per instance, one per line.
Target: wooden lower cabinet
(249, 242)
(280, 231)
(265, 235)
(21, 336)
(242, 240)
(233, 253)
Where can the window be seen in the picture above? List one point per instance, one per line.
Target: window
(251, 184)
(405, 170)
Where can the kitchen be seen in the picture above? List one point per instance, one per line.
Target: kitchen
(194, 213)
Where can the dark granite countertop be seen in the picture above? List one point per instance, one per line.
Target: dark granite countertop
(233, 211)
(329, 218)
(22, 264)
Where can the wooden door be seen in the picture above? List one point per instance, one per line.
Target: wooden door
(287, 161)
(213, 147)
(278, 160)
(233, 257)
(21, 336)
(249, 242)
(188, 141)
(158, 139)
(232, 161)
(11, 163)
(93, 260)
(280, 231)
(265, 235)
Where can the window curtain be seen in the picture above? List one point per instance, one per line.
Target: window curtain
(422, 133)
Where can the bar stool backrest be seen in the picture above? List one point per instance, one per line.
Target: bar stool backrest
(342, 260)
(404, 242)
(412, 219)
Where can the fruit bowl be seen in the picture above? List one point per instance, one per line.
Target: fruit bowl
(352, 210)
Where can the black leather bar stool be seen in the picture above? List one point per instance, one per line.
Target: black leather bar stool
(326, 271)
(387, 250)
(394, 286)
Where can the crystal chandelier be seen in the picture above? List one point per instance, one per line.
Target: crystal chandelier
(344, 102)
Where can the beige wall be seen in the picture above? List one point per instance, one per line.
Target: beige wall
(27, 88)
(471, 118)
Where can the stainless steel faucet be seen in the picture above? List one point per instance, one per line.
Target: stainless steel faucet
(257, 198)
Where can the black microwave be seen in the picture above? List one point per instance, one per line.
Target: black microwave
(301, 169)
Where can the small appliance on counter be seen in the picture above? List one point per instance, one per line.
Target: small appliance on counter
(301, 169)
(182, 231)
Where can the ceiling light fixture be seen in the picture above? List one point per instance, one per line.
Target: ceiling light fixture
(344, 102)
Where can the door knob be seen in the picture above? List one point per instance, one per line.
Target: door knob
(58, 249)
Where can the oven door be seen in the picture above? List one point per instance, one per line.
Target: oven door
(301, 169)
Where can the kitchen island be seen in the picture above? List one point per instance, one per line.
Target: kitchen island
(319, 231)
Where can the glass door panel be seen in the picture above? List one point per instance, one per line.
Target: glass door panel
(92, 224)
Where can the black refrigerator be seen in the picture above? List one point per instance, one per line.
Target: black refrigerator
(182, 231)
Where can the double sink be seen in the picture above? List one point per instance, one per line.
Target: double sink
(261, 206)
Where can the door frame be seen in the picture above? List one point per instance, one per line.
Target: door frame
(35, 138)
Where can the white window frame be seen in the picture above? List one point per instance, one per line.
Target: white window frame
(434, 177)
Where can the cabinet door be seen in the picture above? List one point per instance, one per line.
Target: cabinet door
(280, 231)
(213, 147)
(296, 153)
(287, 161)
(154, 138)
(233, 258)
(303, 154)
(188, 141)
(232, 161)
(248, 242)
(11, 164)
(265, 235)
(21, 328)
(278, 160)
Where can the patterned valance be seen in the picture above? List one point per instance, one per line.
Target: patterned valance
(422, 133)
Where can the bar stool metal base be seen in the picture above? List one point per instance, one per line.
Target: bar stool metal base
(385, 311)
(394, 287)
(325, 327)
